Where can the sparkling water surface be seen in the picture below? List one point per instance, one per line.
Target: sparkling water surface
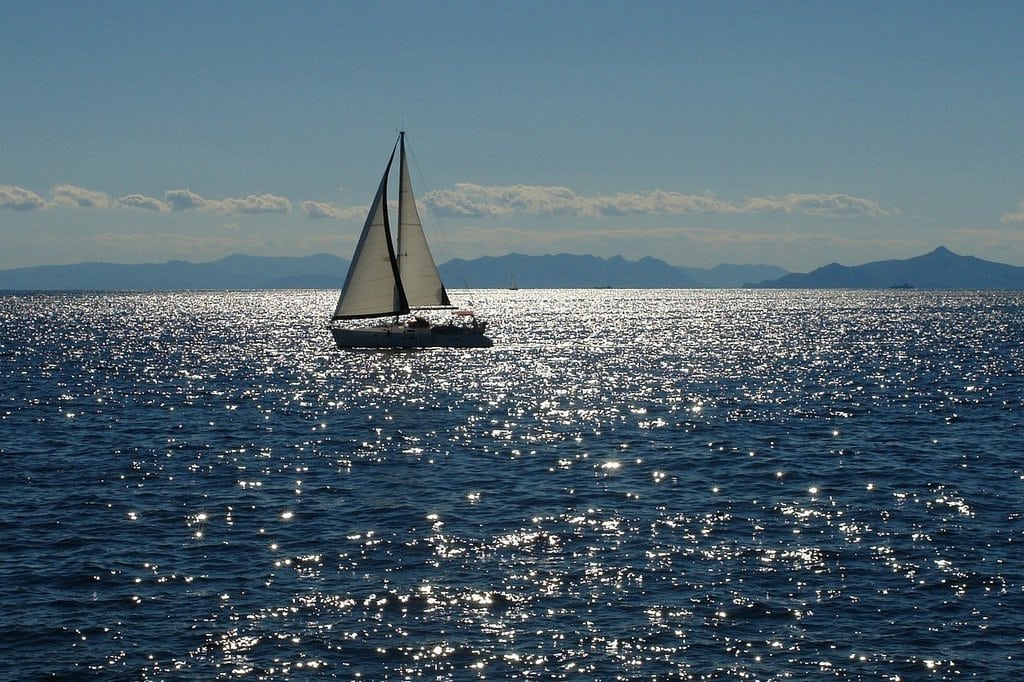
(630, 485)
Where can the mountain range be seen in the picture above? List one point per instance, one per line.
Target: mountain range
(939, 269)
(233, 272)
(568, 271)
(324, 271)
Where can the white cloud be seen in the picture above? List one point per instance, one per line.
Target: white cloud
(656, 202)
(328, 211)
(186, 199)
(831, 205)
(469, 200)
(254, 203)
(19, 199)
(69, 195)
(317, 209)
(142, 202)
(1017, 217)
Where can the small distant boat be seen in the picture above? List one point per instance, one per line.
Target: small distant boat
(393, 280)
(512, 286)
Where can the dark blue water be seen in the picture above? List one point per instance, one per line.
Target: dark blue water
(629, 485)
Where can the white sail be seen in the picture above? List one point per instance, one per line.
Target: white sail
(372, 287)
(383, 280)
(416, 267)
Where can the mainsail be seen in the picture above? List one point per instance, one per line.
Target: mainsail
(372, 287)
(381, 281)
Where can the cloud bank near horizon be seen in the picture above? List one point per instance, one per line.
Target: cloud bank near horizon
(70, 196)
(478, 201)
(187, 200)
(468, 200)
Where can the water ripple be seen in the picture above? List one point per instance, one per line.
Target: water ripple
(630, 484)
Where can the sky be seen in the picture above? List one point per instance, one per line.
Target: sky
(786, 133)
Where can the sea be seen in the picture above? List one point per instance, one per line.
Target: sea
(630, 485)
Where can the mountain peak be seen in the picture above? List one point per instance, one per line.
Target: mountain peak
(938, 269)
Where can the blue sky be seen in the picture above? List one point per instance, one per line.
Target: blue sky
(789, 133)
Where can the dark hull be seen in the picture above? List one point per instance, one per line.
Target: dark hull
(403, 336)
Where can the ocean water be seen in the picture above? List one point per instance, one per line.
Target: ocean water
(630, 485)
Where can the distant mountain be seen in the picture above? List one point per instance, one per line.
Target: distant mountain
(234, 272)
(728, 276)
(568, 270)
(328, 272)
(564, 271)
(324, 271)
(940, 269)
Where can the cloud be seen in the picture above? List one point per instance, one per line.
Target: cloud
(1017, 217)
(69, 195)
(142, 202)
(831, 205)
(254, 203)
(656, 202)
(328, 211)
(316, 209)
(20, 199)
(467, 200)
(470, 200)
(186, 199)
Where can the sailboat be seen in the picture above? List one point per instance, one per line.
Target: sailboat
(393, 280)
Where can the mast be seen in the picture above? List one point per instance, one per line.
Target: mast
(403, 187)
